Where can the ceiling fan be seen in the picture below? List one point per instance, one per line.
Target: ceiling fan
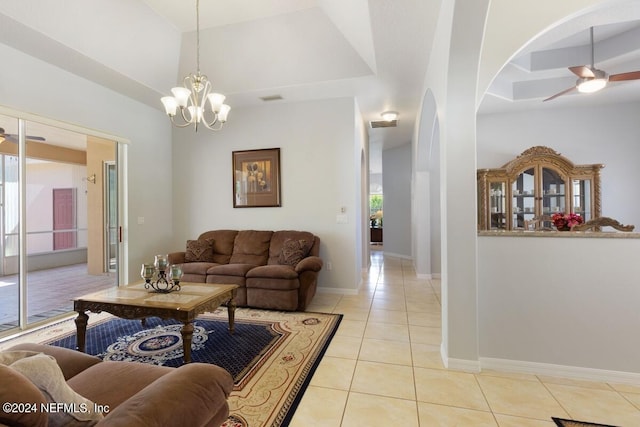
(590, 79)
(11, 137)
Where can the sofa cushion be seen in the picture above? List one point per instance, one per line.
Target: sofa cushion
(230, 269)
(293, 251)
(273, 272)
(197, 267)
(200, 250)
(43, 371)
(16, 388)
(223, 241)
(278, 239)
(251, 247)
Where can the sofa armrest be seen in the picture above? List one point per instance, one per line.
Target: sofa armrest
(310, 263)
(176, 257)
(193, 394)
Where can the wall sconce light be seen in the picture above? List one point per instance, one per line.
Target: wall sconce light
(92, 178)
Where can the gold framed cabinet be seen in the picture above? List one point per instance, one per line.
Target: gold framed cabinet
(534, 185)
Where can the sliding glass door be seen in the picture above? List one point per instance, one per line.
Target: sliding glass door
(10, 291)
(54, 215)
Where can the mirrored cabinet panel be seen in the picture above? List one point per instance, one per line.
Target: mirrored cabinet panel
(524, 193)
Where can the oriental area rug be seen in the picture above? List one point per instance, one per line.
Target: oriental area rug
(560, 422)
(272, 355)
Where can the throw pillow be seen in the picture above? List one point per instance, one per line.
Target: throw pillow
(293, 251)
(9, 356)
(199, 251)
(65, 407)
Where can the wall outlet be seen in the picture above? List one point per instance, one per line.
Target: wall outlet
(329, 266)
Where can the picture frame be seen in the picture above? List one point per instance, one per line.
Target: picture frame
(256, 178)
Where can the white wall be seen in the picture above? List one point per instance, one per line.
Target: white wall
(48, 94)
(607, 135)
(396, 177)
(562, 301)
(473, 41)
(318, 172)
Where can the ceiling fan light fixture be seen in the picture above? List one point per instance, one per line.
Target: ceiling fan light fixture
(590, 85)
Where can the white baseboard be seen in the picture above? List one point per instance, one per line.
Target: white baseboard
(341, 291)
(472, 366)
(574, 372)
(464, 365)
(424, 276)
(397, 255)
(437, 276)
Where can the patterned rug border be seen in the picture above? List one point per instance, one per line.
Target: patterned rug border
(312, 369)
(562, 422)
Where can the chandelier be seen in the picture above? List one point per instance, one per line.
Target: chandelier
(195, 100)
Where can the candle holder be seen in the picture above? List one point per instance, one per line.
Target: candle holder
(158, 279)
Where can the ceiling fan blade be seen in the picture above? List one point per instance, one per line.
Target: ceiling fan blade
(560, 94)
(632, 75)
(29, 137)
(9, 138)
(582, 71)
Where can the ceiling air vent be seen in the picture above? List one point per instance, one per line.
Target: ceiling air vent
(271, 98)
(383, 124)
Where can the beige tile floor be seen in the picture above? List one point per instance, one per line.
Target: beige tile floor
(383, 368)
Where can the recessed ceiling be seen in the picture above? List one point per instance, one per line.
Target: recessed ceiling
(540, 70)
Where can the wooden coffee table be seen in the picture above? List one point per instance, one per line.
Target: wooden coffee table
(136, 302)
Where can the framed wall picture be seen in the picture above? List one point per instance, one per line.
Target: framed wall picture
(256, 178)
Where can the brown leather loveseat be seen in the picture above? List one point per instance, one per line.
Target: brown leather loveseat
(273, 269)
(127, 393)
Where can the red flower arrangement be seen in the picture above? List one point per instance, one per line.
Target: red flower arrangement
(564, 221)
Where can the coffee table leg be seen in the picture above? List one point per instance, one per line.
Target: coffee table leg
(187, 335)
(231, 310)
(81, 330)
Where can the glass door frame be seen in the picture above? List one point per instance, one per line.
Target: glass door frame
(108, 188)
(122, 208)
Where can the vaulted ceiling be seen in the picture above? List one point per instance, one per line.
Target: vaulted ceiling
(376, 51)
(373, 50)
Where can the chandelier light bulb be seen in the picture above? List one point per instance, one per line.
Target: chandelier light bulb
(181, 94)
(216, 100)
(224, 111)
(170, 105)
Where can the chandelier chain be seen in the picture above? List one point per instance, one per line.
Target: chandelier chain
(198, 36)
